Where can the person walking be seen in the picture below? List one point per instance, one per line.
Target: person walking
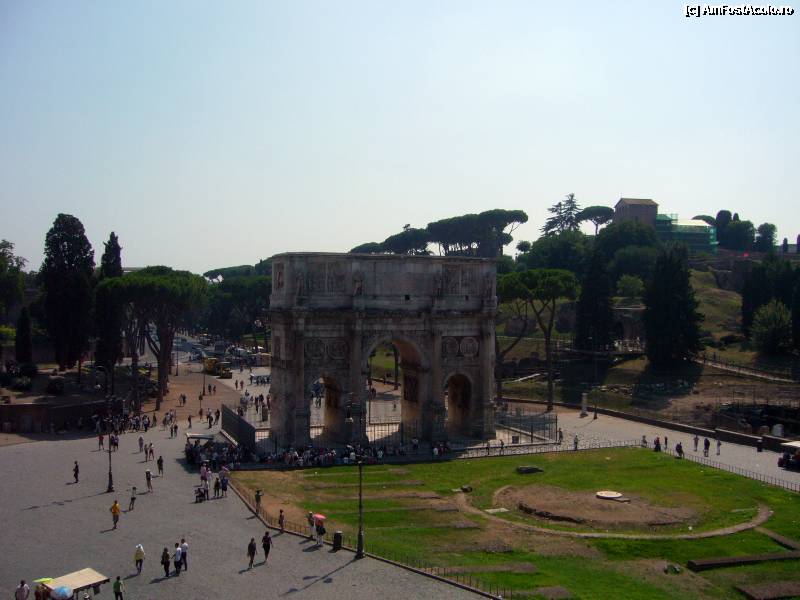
(119, 587)
(281, 520)
(266, 544)
(190, 422)
(185, 554)
(224, 484)
(148, 476)
(258, 501)
(217, 487)
(696, 440)
(719, 445)
(251, 552)
(311, 527)
(706, 446)
(115, 510)
(75, 471)
(320, 531)
(160, 465)
(141, 444)
(177, 559)
(133, 498)
(22, 591)
(560, 435)
(165, 561)
(575, 442)
(100, 445)
(138, 558)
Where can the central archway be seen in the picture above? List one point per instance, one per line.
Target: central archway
(458, 406)
(393, 397)
(327, 410)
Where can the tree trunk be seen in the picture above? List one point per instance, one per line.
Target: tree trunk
(396, 367)
(135, 377)
(549, 359)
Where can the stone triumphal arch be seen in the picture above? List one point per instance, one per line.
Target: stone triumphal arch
(329, 312)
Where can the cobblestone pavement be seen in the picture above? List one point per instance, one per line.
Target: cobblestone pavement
(607, 428)
(52, 527)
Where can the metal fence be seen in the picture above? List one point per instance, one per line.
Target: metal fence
(769, 479)
(537, 425)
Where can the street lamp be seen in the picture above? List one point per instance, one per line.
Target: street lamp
(110, 487)
(360, 546)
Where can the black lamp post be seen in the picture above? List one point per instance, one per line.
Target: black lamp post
(110, 487)
(360, 546)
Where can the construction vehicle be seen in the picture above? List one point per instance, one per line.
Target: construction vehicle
(220, 368)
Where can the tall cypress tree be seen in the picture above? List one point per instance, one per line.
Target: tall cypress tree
(66, 276)
(109, 310)
(594, 316)
(23, 345)
(671, 320)
(796, 312)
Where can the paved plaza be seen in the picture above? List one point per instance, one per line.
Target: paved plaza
(52, 527)
(606, 428)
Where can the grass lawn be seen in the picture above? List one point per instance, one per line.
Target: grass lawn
(412, 513)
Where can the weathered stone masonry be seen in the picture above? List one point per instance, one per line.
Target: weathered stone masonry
(330, 311)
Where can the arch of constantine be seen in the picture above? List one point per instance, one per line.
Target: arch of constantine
(329, 312)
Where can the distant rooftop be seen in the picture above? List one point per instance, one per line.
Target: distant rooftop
(637, 202)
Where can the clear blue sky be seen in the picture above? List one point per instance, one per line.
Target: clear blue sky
(216, 133)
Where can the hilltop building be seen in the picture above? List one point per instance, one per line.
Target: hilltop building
(698, 235)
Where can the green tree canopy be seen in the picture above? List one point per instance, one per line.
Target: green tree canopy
(568, 250)
(707, 218)
(564, 216)
(772, 328)
(672, 323)
(597, 215)
(594, 315)
(23, 344)
(739, 235)
(541, 289)
(11, 276)
(637, 261)
(772, 278)
(108, 312)
(630, 286)
(625, 233)
(765, 238)
(66, 277)
(163, 299)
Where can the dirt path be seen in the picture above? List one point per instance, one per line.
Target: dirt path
(764, 513)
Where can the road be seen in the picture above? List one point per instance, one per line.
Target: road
(52, 526)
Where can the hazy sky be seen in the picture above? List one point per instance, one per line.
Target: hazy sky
(217, 133)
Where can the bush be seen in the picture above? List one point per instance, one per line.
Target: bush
(28, 370)
(732, 338)
(21, 384)
(630, 286)
(772, 328)
(55, 385)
